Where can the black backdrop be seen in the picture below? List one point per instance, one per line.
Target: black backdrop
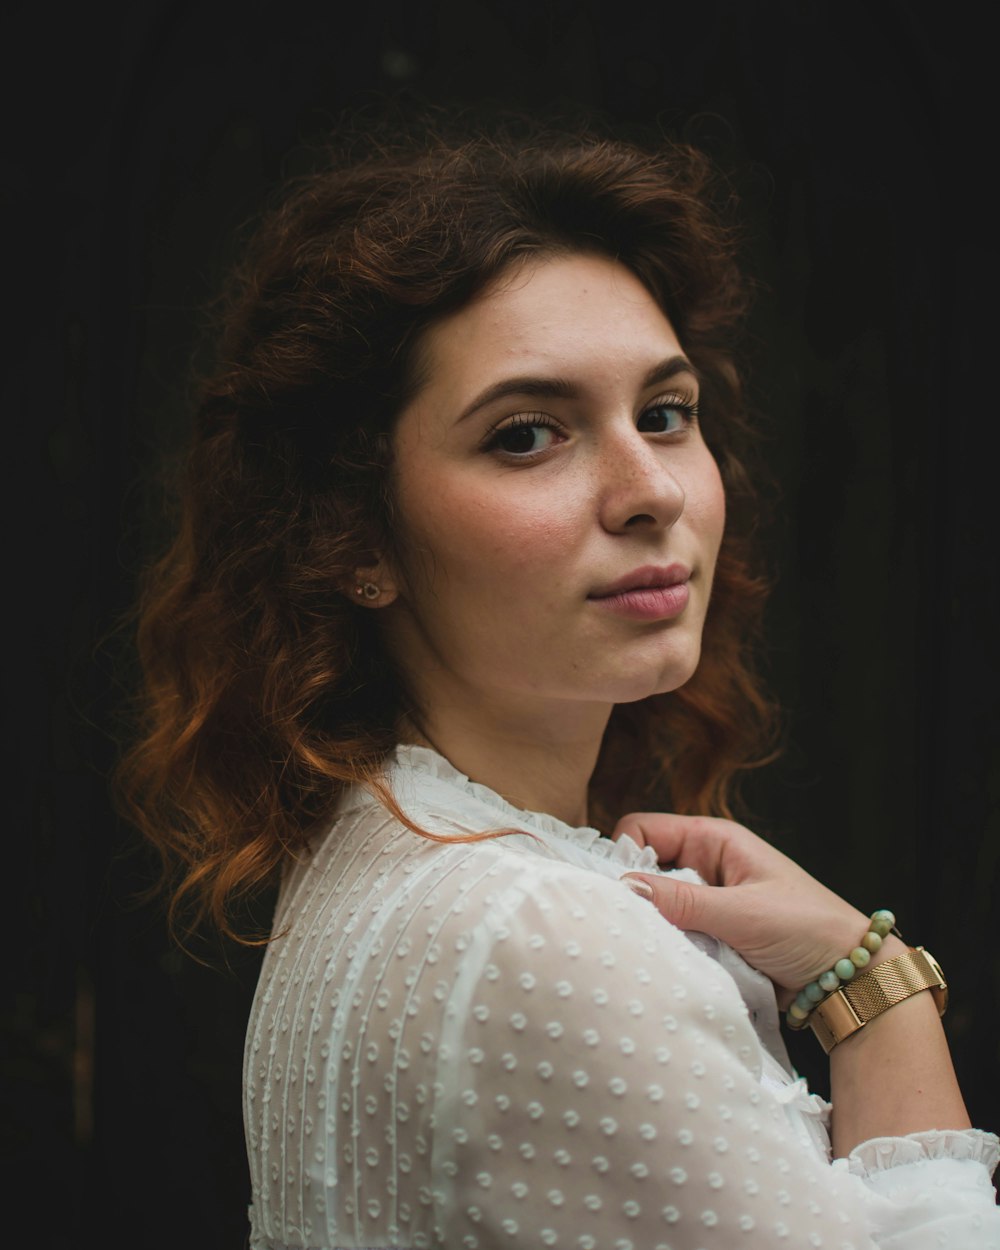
(861, 138)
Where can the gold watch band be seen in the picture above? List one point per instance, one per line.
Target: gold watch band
(876, 990)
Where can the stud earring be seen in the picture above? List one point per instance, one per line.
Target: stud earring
(368, 590)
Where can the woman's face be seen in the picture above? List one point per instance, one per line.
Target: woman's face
(559, 512)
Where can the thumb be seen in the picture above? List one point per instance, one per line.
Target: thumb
(686, 904)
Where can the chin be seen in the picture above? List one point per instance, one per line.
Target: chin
(664, 680)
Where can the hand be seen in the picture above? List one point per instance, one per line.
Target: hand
(782, 921)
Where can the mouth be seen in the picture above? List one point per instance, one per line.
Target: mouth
(647, 594)
(649, 577)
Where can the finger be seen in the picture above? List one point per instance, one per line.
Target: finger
(631, 831)
(684, 904)
(700, 842)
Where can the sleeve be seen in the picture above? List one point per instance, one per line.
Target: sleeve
(599, 1088)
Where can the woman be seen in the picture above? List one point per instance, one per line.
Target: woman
(454, 588)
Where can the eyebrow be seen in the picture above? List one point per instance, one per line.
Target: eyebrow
(559, 388)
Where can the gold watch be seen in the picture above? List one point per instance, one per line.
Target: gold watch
(875, 990)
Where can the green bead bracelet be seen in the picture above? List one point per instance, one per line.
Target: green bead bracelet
(881, 924)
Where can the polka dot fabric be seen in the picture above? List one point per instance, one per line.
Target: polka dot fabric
(499, 1045)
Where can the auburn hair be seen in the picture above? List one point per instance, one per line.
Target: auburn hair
(265, 692)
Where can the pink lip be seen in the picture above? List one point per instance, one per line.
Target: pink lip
(648, 594)
(649, 577)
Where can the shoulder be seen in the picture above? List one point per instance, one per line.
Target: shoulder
(420, 990)
(508, 903)
(558, 950)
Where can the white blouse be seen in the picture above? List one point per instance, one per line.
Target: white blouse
(498, 1044)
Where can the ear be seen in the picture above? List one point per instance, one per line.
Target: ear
(373, 586)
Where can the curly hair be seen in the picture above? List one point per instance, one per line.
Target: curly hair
(265, 692)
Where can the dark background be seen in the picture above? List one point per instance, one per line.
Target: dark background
(861, 138)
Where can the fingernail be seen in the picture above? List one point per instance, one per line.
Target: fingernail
(640, 887)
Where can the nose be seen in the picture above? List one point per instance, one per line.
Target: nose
(638, 486)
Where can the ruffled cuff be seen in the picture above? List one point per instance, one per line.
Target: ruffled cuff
(881, 1153)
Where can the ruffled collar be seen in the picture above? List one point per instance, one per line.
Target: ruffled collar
(624, 855)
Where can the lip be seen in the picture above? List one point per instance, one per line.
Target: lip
(649, 577)
(647, 594)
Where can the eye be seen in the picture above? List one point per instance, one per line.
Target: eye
(668, 415)
(524, 435)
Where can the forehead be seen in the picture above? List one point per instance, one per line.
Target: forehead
(549, 315)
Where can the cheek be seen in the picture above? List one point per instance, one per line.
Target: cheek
(478, 532)
(706, 503)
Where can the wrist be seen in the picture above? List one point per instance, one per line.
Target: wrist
(890, 948)
(848, 933)
(918, 1012)
(875, 993)
(862, 955)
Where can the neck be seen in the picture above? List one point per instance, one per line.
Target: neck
(539, 763)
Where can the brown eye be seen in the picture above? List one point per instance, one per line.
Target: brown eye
(523, 437)
(517, 440)
(666, 417)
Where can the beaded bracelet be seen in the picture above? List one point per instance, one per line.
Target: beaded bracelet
(881, 923)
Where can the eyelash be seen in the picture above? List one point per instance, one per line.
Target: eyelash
(688, 408)
(522, 421)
